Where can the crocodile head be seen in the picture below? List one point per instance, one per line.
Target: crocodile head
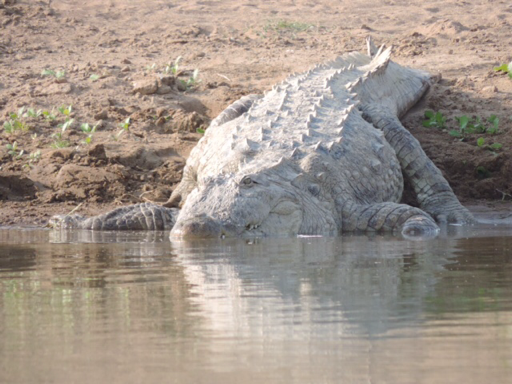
(251, 204)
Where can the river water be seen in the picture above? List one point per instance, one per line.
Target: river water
(85, 307)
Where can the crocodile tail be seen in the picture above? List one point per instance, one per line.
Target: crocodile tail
(389, 85)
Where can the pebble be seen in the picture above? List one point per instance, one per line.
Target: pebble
(490, 89)
(102, 115)
(145, 86)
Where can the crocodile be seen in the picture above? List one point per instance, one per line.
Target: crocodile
(322, 153)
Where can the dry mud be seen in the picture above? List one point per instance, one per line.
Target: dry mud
(110, 61)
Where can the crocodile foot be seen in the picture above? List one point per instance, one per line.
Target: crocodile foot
(420, 227)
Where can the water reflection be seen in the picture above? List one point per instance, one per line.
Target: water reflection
(132, 307)
(338, 285)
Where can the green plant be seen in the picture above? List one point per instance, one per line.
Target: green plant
(494, 120)
(14, 151)
(89, 131)
(475, 125)
(507, 68)
(125, 124)
(463, 127)
(58, 140)
(151, 67)
(200, 130)
(491, 147)
(434, 119)
(173, 67)
(56, 74)
(482, 172)
(15, 123)
(31, 112)
(49, 115)
(33, 157)
(66, 111)
(192, 81)
(66, 125)
(94, 77)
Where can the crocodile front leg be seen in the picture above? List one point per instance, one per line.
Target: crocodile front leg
(433, 192)
(143, 217)
(387, 217)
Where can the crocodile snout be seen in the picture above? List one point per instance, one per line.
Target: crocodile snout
(199, 228)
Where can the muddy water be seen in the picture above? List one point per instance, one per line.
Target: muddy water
(84, 307)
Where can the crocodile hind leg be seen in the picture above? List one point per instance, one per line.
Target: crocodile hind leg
(387, 217)
(434, 194)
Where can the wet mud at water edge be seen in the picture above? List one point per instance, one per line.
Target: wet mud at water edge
(101, 103)
(131, 307)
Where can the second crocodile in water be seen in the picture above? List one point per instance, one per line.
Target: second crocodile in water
(322, 153)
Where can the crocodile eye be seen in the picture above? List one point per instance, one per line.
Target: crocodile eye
(247, 181)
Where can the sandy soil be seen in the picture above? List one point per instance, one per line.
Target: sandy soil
(110, 61)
